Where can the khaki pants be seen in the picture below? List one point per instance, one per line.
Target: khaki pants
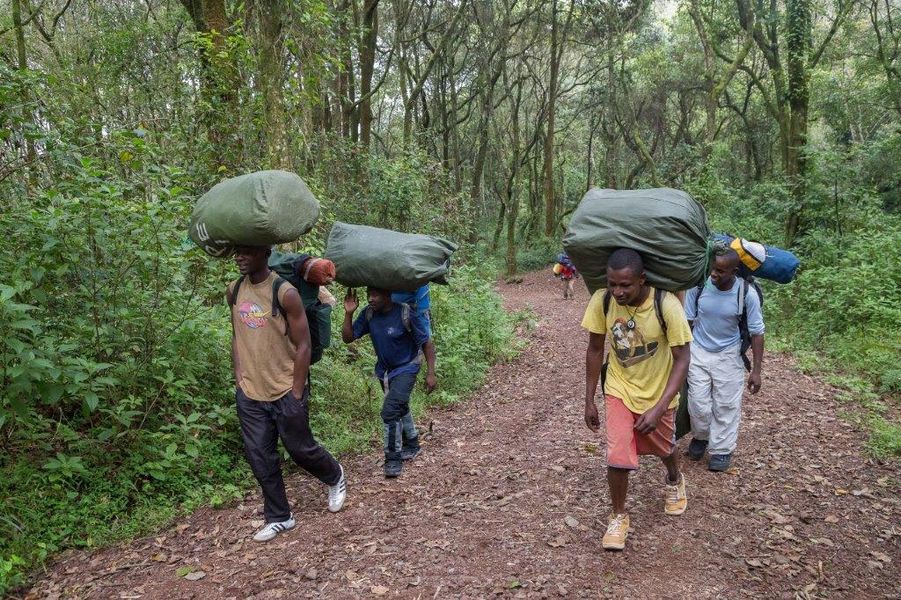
(716, 382)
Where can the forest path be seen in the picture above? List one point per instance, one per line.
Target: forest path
(509, 498)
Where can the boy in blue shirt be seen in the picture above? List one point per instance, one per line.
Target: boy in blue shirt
(400, 337)
(716, 375)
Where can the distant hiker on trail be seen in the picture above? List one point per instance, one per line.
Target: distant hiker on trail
(726, 317)
(566, 271)
(271, 357)
(400, 337)
(647, 366)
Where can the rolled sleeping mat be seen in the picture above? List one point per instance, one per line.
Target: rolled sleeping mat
(761, 260)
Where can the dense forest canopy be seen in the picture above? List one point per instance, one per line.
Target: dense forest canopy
(481, 120)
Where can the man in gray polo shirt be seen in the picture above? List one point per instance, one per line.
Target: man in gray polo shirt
(716, 375)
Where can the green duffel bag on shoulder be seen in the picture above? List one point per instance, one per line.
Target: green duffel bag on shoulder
(257, 209)
(666, 226)
(372, 257)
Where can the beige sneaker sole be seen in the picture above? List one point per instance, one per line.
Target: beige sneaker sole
(675, 512)
(616, 545)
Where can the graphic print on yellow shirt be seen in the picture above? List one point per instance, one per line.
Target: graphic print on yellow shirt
(642, 360)
(266, 353)
(629, 343)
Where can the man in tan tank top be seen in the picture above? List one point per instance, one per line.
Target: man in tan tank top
(271, 357)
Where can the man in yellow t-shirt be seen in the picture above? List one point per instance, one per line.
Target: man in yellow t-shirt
(648, 362)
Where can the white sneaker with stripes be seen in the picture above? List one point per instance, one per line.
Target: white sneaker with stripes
(270, 530)
(337, 493)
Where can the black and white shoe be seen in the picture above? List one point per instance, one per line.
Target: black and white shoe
(337, 493)
(270, 530)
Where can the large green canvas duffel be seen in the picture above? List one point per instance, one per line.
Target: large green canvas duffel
(368, 256)
(666, 226)
(257, 209)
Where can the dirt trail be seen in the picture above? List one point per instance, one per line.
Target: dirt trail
(509, 498)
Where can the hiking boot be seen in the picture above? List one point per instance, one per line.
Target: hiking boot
(719, 462)
(393, 467)
(337, 493)
(270, 530)
(617, 532)
(696, 449)
(410, 449)
(676, 498)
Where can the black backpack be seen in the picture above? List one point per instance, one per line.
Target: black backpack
(747, 283)
(319, 315)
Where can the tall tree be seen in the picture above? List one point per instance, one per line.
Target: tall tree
(271, 71)
(220, 78)
(366, 51)
(788, 103)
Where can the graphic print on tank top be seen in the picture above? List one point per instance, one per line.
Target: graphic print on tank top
(629, 343)
(252, 315)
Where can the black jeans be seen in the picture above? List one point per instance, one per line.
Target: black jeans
(262, 423)
(396, 416)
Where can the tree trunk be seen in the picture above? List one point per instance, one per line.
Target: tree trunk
(495, 240)
(22, 61)
(589, 163)
(220, 81)
(549, 137)
(798, 46)
(346, 79)
(272, 79)
(367, 66)
(511, 193)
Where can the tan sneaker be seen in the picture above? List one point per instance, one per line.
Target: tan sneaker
(676, 498)
(617, 531)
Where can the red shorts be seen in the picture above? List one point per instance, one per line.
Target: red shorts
(625, 444)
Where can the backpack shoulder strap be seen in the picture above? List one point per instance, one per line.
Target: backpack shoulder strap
(277, 284)
(658, 307)
(743, 297)
(607, 297)
(405, 316)
(233, 298)
(700, 289)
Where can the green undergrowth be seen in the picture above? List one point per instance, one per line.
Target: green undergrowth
(80, 492)
(116, 392)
